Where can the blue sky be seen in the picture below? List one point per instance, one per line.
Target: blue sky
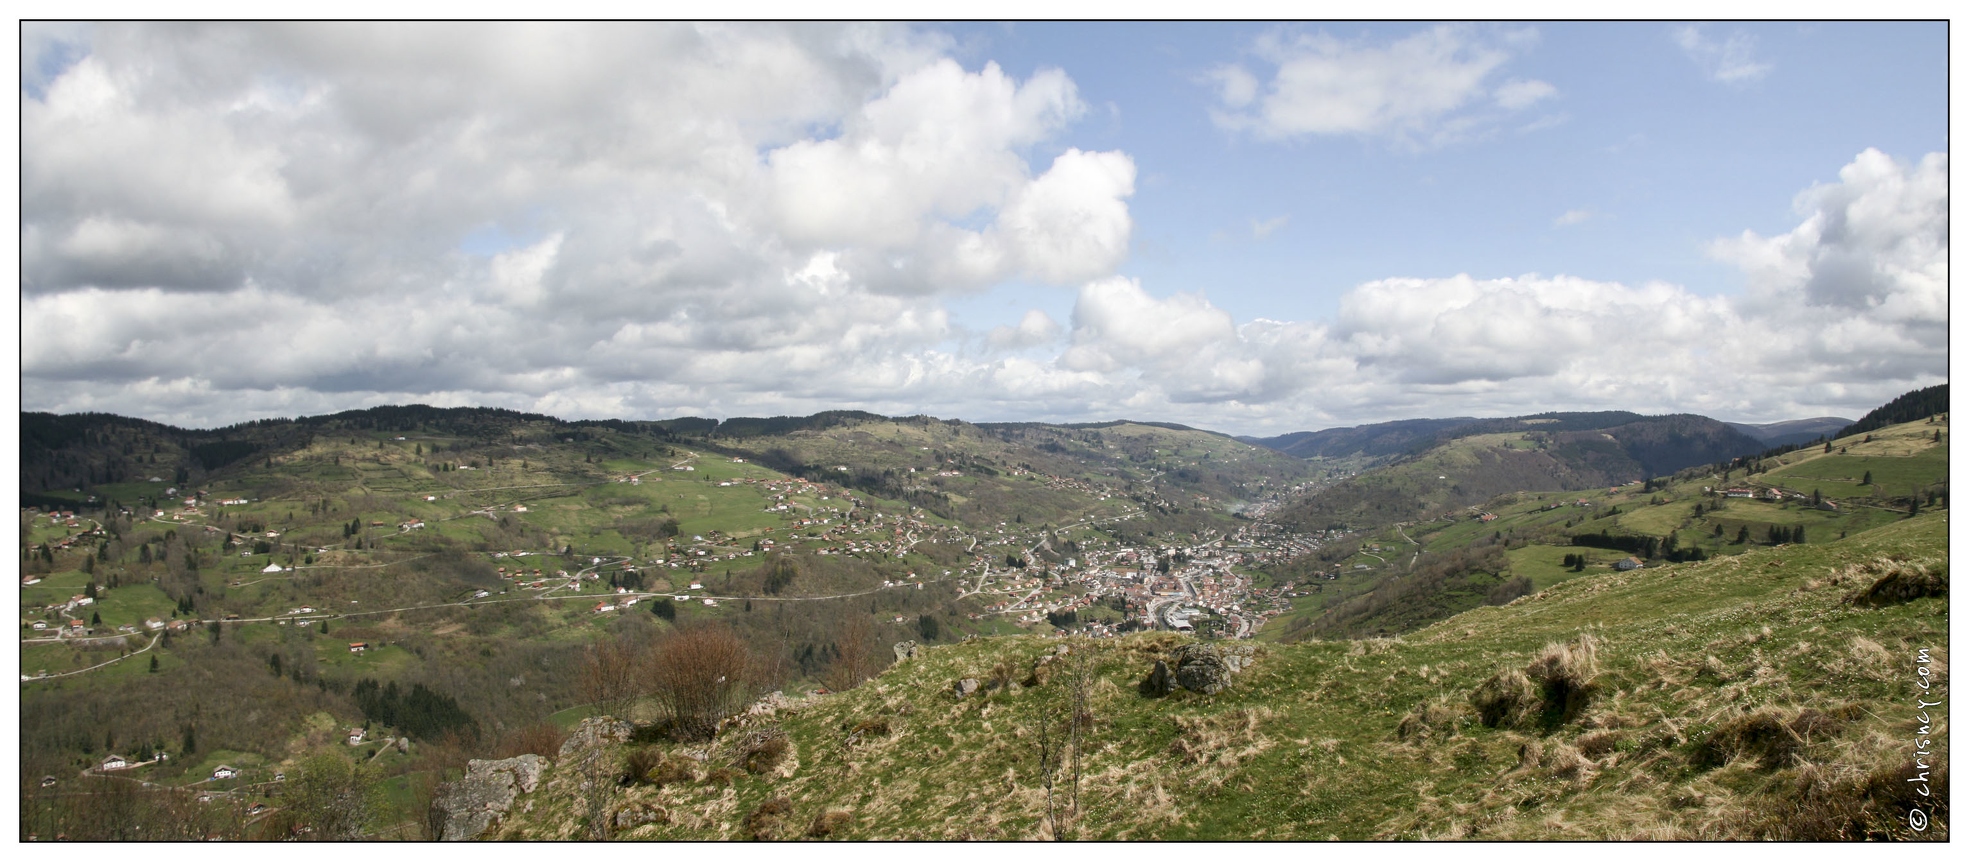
(1249, 227)
(1660, 156)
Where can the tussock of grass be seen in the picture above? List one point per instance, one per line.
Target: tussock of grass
(768, 821)
(1565, 674)
(829, 821)
(1847, 805)
(1899, 581)
(1432, 720)
(1551, 690)
(1507, 699)
(1772, 736)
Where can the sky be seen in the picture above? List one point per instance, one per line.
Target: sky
(1254, 228)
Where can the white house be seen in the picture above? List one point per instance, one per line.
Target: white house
(115, 761)
(224, 772)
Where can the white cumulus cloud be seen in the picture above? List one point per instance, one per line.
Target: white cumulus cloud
(1425, 89)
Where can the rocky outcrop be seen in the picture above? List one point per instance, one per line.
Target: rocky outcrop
(601, 730)
(967, 687)
(472, 804)
(1201, 668)
(905, 650)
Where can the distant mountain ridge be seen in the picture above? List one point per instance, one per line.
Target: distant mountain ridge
(1793, 431)
(1471, 462)
(1409, 437)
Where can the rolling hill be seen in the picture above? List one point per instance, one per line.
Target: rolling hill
(1394, 579)
(1765, 696)
(1477, 460)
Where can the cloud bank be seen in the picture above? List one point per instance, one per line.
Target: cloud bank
(227, 222)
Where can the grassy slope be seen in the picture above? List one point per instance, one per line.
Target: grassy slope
(1305, 746)
(1903, 457)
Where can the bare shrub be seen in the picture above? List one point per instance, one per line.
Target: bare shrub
(699, 675)
(611, 677)
(1507, 591)
(543, 738)
(860, 656)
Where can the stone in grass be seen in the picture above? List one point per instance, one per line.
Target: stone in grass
(1202, 669)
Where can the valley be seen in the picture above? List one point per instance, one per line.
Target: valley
(422, 586)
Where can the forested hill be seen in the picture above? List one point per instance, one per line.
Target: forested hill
(1656, 437)
(1475, 461)
(981, 473)
(1382, 439)
(1914, 405)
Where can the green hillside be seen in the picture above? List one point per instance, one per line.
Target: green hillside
(1477, 460)
(480, 553)
(1394, 579)
(1757, 696)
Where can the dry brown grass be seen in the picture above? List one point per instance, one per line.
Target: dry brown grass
(829, 821)
(1552, 690)
(760, 751)
(1849, 805)
(1773, 736)
(768, 821)
(1507, 699)
(1432, 720)
(1897, 581)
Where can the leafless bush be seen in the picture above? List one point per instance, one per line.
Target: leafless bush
(543, 738)
(611, 677)
(699, 675)
(860, 654)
